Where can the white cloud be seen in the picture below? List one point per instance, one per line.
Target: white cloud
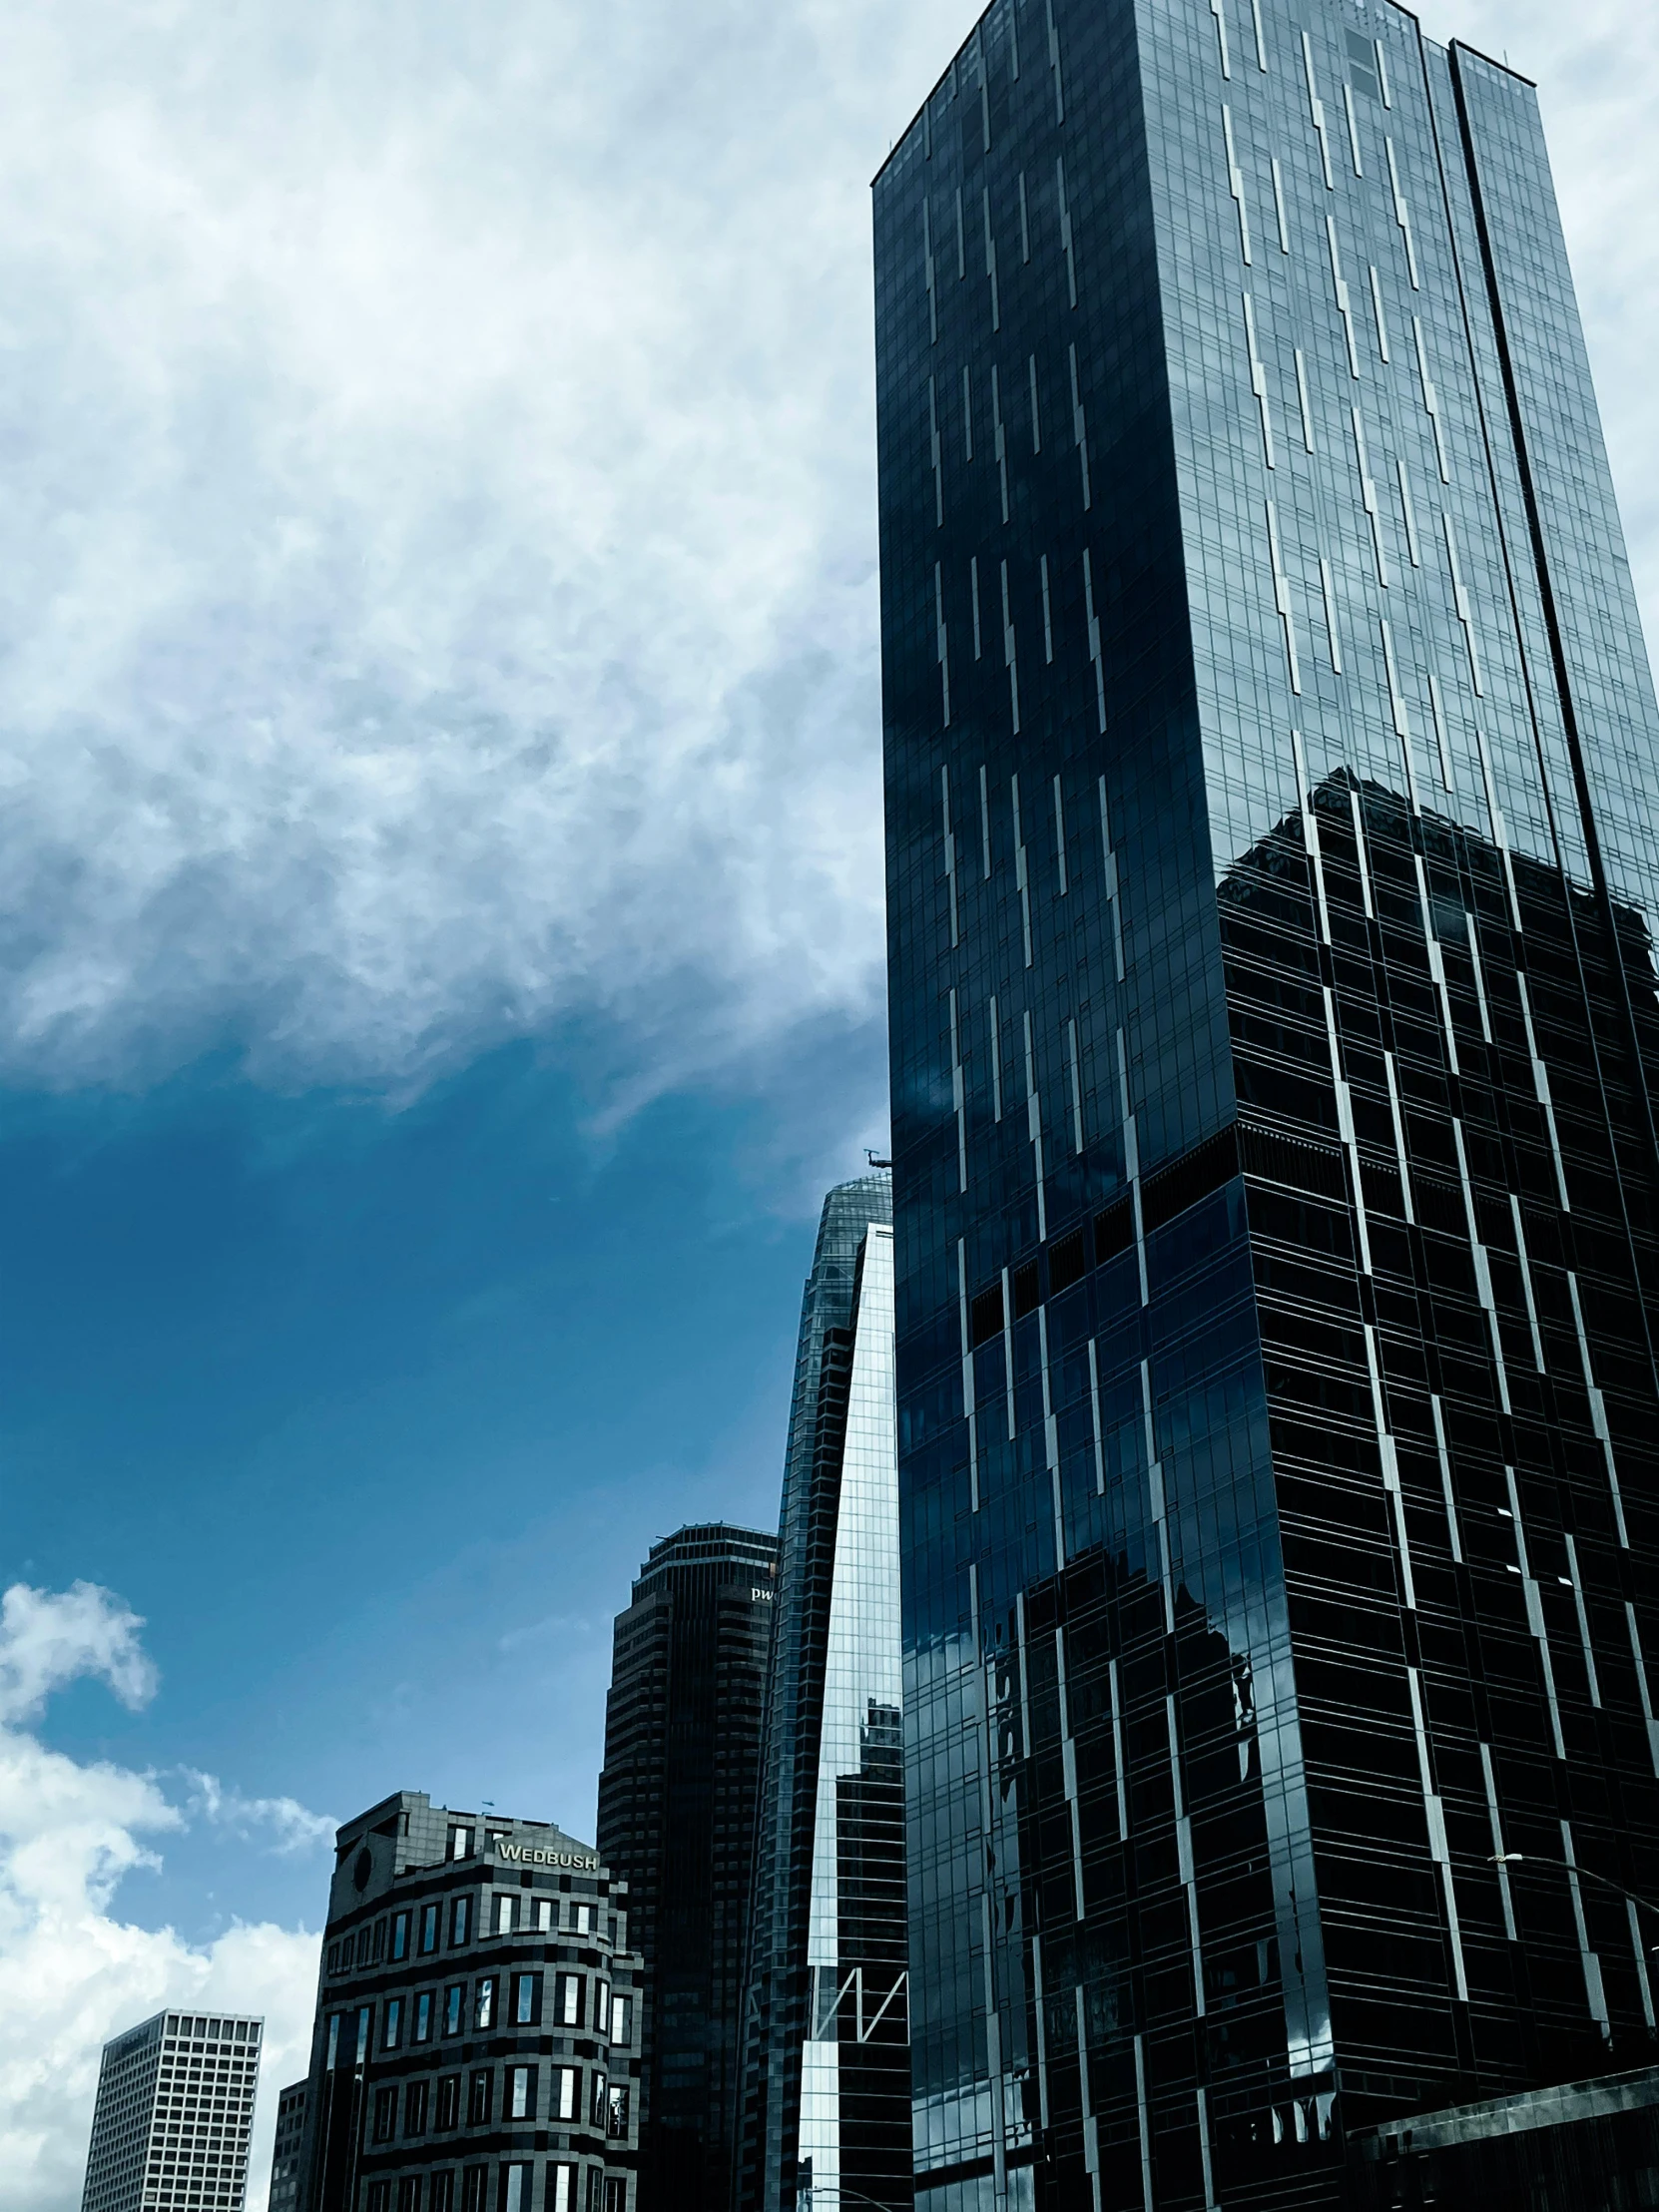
(48, 1638)
(288, 1823)
(72, 1974)
(436, 581)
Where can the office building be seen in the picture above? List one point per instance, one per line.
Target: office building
(287, 2164)
(1272, 881)
(825, 2056)
(174, 2116)
(476, 2036)
(676, 1802)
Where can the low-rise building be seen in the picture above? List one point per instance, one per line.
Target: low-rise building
(476, 2038)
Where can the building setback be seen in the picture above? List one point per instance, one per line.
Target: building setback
(174, 2116)
(476, 2030)
(1272, 881)
(676, 1822)
(825, 2053)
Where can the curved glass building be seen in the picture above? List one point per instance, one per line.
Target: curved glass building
(826, 2072)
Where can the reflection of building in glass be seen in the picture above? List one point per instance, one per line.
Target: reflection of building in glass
(826, 2118)
(1272, 891)
(677, 1804)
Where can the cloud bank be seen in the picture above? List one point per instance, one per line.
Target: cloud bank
(72, 1974)
(437, 559)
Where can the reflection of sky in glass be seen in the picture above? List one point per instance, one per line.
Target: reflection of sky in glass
(827, 1946)
(1256, 623)
(863, 1668)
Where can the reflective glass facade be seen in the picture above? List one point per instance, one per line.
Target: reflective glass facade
(826, 2076)
(1272, 884)
(677, 1805)
(175, 2115)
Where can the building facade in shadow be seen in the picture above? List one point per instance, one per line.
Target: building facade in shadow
(677, 1808)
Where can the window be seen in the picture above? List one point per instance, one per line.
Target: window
(985, 1315)
(460, 1843)
(334, 1958)
(449, 2105)
(414, 2108)
(460, 1920)
(408, 2193)
(429, 1929)
(616, 2193)
(595, 2187)
(616, 2112)
(386, 2112)
(526, 2000)
(379, 2197)
(454, 2009)
(379, 1940)
(365, 2022)
(365, 1938)
(515, 2188)
(622, 2019)
(393, 2026)
(423, 2018)
(601, 2007)
(486, 2014)
(582, 1918)
(400, 1935)
(521, 2093)
(473, 2184)
(544, 1914)
(596, 2101)
(561, 2189)
(478, 2098)
(443, 2192)
(569, 2000)
(504, 1915)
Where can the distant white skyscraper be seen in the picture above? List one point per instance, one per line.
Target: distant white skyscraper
(174, 2114)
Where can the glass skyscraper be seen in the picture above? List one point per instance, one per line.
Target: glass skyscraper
(1272, 881)
(677, 1805)
(826, 2051)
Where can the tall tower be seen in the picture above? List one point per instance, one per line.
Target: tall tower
(677, 1805)
(1272, 879)
(826, 2052)
(174, 2116)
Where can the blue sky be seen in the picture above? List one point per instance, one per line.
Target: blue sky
(372, 1416)
(440, 891)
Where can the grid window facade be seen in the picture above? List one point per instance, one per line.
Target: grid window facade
(677, 1816)
(174, 2116)
(490, 2096)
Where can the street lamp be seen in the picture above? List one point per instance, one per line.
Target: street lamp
(839, 2191)
(1587, 1873)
